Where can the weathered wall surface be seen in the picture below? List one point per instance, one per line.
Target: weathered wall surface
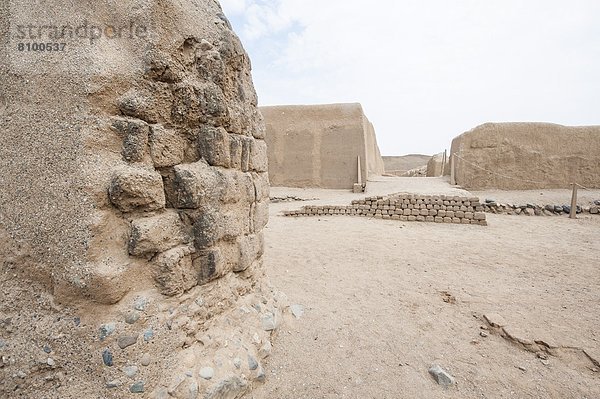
(527, 156)
(134, 187)
(375, 165)
(318, 145)
(435, 165)
(398, 165)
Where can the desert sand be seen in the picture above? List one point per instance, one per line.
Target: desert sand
(384, 300)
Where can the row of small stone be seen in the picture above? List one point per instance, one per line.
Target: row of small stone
(406, 207)
(529, 209)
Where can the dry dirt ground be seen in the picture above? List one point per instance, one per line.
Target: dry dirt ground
(385, 299)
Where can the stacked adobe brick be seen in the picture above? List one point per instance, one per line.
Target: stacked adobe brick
(407, 207)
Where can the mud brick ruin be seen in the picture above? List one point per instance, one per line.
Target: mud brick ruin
(132, 211)
(407, 208)
(327, 146)
(526, 156)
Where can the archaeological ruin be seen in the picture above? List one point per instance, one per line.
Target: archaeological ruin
(525, 156)
(133, 195)
(320, 146)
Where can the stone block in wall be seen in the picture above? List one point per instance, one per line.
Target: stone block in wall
(209, 264)
(479, 216)
(197, 104)
(260, 215)
(174, 272)
(250, 249)
(151, 107)
(235, 151)
(214, 145)
(158, 233)
(246, 153)
(211, 226)
(196, 185)
(258, 156)
(167, 146)
(261, 186)
(135, 138)
(237, 187)
(260, 132)
(137, 189)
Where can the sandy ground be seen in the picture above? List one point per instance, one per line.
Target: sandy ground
(384, 300)
(540, 197)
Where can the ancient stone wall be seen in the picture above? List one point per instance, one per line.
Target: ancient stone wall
(134, 190)
(407, 208)
(521, 156)
(318, 145)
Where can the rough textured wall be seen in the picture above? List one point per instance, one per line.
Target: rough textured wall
(435, 165)
(318, 145)
(375, 166)
(527, 156)
(398, 165)
(133, 195)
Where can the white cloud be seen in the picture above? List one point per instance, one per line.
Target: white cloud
(425, 71)
(232, 7)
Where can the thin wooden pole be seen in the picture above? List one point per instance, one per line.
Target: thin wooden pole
(452, 177)
(444, 158)
(573, 214)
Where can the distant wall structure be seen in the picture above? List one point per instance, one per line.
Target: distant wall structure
(318, 145)
(402, 165)
(520, 156)
(435, 165)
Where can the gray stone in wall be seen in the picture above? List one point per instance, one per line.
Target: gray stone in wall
(235, 152)
(260, 215)
(205, 233)
(214, 225)
(259, 161)
(251, 248)
(157, 234)
(261, 185)
(196, 185)
(135, 138)
(151, 107)
(210, 264)
(214, 145)
(167, 147)
(174, 272)
(237, 187)
(246, 150)
(137, 189)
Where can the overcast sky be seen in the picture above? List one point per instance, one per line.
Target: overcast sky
(427, 70)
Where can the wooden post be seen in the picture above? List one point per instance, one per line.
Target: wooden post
(444, 159)
(573, 214)
(452, 177)
(359, 170)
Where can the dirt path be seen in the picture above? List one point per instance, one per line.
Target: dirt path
(384, 300)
